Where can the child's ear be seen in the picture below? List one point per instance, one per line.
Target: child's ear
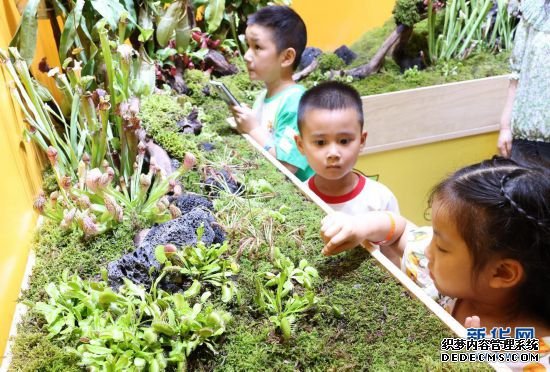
(363, 138)
(287, 57)
(506, 273)
(299, 143)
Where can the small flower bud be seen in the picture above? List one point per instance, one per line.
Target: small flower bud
(145, 181)
(92, 179)
(175, 212)
(171, 185)
(86, 158)
(68, 217)
(65, 182)
(88, 226)
(39, 202)
(189, 161)
(52, 155)
(105, 180)
(141, 148)
(83, 202)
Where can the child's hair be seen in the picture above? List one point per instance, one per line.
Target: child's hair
(330, 95)
(502, 209)
(288, 28)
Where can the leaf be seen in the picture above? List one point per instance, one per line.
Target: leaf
(167, 23)
(25, 36)
(69, 34)
(160, 255)
(109, 10)
(214, 14)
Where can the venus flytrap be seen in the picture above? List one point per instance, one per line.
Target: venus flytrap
(132, 329)
(276, 296)
(204, 265)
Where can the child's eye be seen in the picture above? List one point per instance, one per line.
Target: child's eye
(345, 141)
(440, 249)
(319, 142)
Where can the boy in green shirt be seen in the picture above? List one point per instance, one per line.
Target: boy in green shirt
(276, 37)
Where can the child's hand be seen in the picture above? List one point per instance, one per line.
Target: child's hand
(472, 322)
(340, 232)
(245, 118)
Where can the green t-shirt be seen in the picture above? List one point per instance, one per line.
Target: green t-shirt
(279, 114)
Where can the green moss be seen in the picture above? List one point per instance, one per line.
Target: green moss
(160, 114)
(57, 250)
(330, 61)
(479, 65)
(35, 352)
(406, 12)
(49, 183)
(196, 80)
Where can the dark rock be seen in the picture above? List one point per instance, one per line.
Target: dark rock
(218, 63)
(187, 202)
(134, 266)
(207, 146)
(190, 124)
(346, 54)
(181, 232)
(176, 164)
(309, 54)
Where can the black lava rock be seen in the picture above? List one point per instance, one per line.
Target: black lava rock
(309, 54)
(346, 54)
(134, 266)
(181, 231)
(187, 202)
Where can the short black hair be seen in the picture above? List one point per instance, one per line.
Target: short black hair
(330, 95)
(289, 30)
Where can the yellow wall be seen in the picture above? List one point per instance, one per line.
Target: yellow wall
(21, 174)
(411, 172)
(331, 23)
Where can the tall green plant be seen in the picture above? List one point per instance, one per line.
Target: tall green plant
(98, 166)
(467, 26)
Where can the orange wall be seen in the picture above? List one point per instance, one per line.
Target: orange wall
(331, 24)
(21, 174)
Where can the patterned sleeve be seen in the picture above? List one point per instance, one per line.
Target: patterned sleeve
(414, 262)
(520, 43)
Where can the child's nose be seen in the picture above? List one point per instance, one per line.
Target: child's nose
(248, 55)
(428, 251)
(333, 151)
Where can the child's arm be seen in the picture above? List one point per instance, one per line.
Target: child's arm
(341, 232)
(248, 123)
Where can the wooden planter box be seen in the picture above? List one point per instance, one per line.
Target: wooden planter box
(431, 114)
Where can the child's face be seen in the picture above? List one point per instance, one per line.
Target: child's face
(262, 60)
(331, 141)
(450, 261)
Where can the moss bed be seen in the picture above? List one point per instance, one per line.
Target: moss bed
(381, 328)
